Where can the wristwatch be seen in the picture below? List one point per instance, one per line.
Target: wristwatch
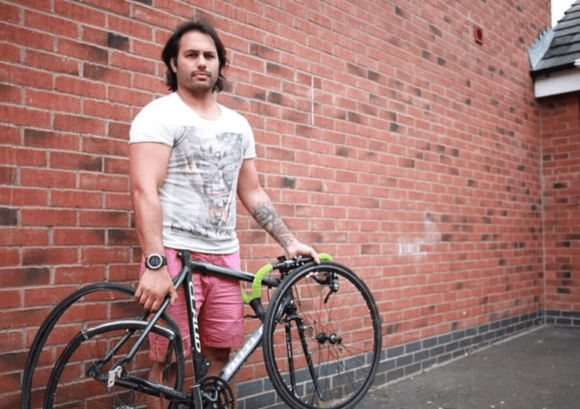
(155, 261)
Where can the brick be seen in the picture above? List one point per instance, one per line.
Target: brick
(117, 237)
(9, 257)
(104, 255)
(117, 165)
(107, 110)
(111, 5)
(123, 272)
(11, 341)
(41, 256)
(79, 274)
(25, 116)
(25, 37)
(81, 124)
(79, 12)
(10, 155)
(76, 198)
(119, 130)
(48, 217)
(83, 51)
(97, 181)
(10, 13)
(49, 296)
(18, 196)
(129, 96)
(10, 52)
(69, 160)
(52, 24)
(78, 237)
(81, 87)
(46, 139)
(108, 75)
(10, 94)
(104, 219)
(52, 101)
(47, 178)
(18, 277)
(8, 175)
(120, 201)
(106, 146)
(129, 62)
(22, 237)
(18, 318)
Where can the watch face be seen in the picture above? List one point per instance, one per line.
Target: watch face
(154, 261)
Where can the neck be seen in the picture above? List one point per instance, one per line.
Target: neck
(204, 104)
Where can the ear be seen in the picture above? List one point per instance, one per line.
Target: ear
(173, 63)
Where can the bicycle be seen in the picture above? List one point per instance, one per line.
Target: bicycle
(320, 335)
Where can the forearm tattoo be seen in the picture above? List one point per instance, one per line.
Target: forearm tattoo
(269, 220)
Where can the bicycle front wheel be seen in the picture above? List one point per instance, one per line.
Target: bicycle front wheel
(80, 376)
(322, 338)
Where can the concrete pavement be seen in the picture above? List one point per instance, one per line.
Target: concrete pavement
(539, 369)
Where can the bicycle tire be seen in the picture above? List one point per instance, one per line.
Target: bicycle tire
(334, 362)
(79, 379)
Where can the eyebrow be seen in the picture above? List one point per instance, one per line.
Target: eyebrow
(197, 50)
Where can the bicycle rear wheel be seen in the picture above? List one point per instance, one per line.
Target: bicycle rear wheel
(322, 338)
(79, 378)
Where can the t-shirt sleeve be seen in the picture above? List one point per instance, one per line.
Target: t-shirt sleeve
(147, 127)
(249, 142)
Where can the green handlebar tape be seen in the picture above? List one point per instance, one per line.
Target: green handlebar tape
(324, 257)
(257, 283)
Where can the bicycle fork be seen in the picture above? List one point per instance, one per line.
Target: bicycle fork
(301, 332)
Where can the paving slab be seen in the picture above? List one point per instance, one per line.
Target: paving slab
(539, 369)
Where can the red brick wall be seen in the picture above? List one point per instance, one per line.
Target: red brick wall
(387, 136)
(560, 122)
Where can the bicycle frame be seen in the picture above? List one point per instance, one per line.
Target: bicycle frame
(184, 278)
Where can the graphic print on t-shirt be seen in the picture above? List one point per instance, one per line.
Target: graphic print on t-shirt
(211, 164)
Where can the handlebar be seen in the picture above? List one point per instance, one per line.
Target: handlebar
(284, 265)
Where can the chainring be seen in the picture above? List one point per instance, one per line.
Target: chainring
(217, 394)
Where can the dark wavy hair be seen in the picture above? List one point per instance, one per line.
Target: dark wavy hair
(171, 51)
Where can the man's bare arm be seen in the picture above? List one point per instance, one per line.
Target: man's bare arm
(257, 202)
(147, 168)
(269, 219)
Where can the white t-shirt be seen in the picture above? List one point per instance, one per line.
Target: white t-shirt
(198, 196)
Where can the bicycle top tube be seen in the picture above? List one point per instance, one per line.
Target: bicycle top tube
(207, 268)
(283, 265)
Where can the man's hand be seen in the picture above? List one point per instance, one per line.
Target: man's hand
(298, 249)
(153, 287)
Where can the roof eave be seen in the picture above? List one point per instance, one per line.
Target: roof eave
(559, 81)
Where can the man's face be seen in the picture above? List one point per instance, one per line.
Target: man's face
(197, 63)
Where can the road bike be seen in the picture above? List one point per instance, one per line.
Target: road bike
(320, 335)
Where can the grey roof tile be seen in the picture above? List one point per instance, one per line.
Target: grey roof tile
(564, 49)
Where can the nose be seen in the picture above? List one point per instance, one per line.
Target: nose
(201, 61)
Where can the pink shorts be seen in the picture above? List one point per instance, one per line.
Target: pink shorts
(218, 302)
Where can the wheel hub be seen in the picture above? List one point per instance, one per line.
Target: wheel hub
(332, 338)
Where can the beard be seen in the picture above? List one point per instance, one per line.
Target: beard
(197, 86)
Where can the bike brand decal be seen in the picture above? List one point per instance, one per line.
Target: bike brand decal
(243, 353)
(194, 317)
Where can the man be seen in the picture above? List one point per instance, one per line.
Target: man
(188, 157)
